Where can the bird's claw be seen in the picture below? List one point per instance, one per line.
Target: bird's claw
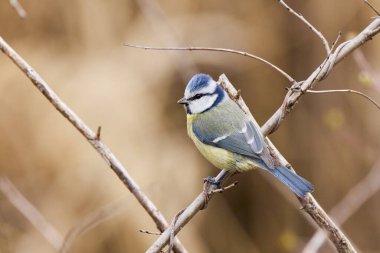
(212, 181)
(208, 181)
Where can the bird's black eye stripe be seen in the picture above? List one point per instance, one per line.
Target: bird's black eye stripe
(198, 96)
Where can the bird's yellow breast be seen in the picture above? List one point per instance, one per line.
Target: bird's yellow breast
(220, 158)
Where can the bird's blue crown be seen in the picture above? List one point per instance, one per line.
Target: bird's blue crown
(198, 82)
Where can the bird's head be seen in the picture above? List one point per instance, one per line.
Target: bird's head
(202, 93)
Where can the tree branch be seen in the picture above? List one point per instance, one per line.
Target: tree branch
(92, 138)
(372, 7)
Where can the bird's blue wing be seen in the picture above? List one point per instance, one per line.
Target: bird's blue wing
(246, 140)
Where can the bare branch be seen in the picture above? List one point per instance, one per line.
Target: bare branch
(372, 7)
(30, 212)
(91, 137)
(18, 7)
(354, 199)
(215, 49)
(309, 25)
(348, 91)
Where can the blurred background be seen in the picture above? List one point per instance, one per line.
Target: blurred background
(77, 47)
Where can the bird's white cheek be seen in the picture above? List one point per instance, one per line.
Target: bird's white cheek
(202, 104)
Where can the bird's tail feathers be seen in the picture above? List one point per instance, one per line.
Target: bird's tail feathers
(296, 183)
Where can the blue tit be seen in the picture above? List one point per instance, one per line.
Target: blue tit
(227, 137)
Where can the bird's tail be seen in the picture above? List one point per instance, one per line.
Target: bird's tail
(297, 184)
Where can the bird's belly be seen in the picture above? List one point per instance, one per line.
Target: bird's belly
(224, 159)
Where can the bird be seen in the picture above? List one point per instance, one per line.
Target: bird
(227, 137)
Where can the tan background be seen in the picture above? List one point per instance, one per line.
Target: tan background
(77, 47)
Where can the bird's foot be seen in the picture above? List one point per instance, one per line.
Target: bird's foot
(207, 192)
(212, 181)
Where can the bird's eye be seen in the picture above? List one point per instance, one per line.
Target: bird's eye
(198, 96)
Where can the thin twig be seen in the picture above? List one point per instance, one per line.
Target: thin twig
(328, 60)
(92, 220)
(215, 49)
(354, 199)
(172, 231)
(99, 146)
(222, 189)
(372, 7)
(149, 232)
(31, 213)
(18, 7)
(336, 40)
(309, 25)
(346, 90)
(98, 133)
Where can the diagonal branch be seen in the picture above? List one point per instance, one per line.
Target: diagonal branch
(372, 7)
(309, 25)
(92, 138)
(310, 205)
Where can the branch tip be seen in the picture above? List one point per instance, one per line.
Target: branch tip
(98, 133)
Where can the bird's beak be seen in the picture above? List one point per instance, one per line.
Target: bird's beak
(183, 101)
